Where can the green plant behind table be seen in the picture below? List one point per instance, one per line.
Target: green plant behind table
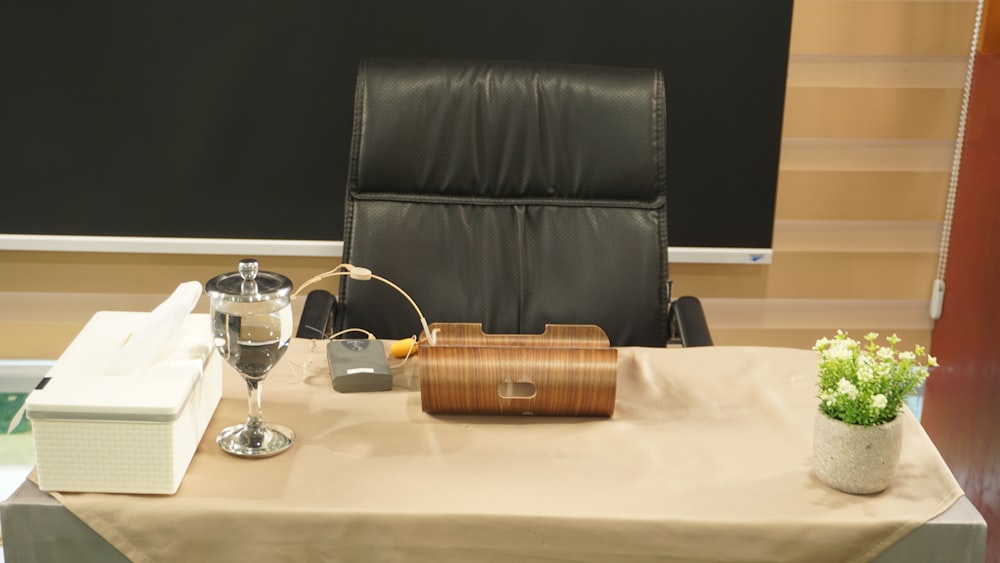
(866, 384)
(10, 407)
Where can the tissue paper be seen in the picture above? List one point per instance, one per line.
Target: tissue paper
(157, 330)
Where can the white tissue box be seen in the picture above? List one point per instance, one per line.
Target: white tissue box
(134, 433)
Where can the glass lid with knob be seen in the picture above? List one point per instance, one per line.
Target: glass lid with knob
(248, 284)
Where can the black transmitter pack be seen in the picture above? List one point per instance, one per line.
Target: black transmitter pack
(358, 365)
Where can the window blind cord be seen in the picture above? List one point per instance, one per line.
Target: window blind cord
(937, 290)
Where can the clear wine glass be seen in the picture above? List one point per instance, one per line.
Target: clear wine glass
(252, 324)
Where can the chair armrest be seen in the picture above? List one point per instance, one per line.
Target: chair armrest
(317, 318)
(687, 322)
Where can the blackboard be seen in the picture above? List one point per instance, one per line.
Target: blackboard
(232, 119)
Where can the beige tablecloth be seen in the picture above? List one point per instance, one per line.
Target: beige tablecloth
(707, 458)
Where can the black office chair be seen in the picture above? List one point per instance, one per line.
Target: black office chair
(511, 194)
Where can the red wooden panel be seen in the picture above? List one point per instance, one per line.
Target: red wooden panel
(961, 409)
(990, 41)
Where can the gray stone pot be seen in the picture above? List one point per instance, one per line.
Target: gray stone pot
(856, 459)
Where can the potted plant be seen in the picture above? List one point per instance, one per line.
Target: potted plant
(862, 387)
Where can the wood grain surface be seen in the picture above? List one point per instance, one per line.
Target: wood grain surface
(569, 370)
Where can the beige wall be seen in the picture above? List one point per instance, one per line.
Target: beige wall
(46, 297)
(872, 106)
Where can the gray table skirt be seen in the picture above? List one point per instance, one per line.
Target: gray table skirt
(37, 528)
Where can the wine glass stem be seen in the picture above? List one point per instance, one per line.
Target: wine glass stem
(256, 413)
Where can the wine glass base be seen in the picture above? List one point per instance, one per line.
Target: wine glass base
(265, 441)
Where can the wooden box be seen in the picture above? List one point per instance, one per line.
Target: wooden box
(568, 370)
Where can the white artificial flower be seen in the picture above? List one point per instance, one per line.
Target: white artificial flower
(879, 401)
(865, 373)
(840, 350)
(828, 398)
(884, 353)
(907, 356)
(845, 387)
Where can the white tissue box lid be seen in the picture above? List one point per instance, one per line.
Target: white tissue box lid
(79, 389)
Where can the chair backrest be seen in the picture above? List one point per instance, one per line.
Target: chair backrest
(511, 194)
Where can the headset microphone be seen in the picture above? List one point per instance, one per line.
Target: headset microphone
(364, 274)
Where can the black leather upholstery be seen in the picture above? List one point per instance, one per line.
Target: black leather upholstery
(512, 194)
